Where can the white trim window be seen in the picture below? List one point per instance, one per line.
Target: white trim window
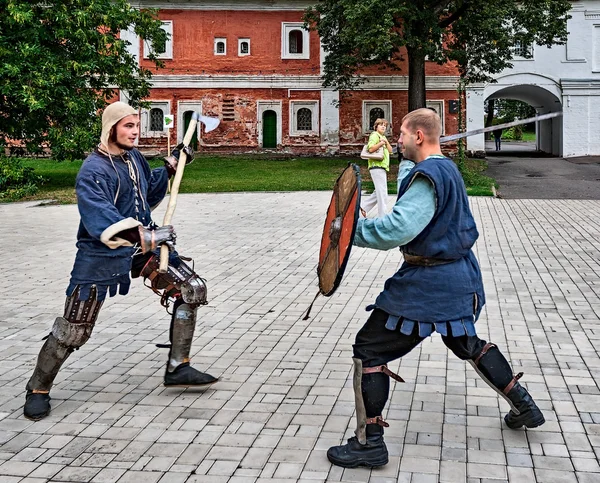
(166, 51)
(152, 122)
(522, 50)
(243, 47)
(304, 118)
(438, 106)
(294, 41)
(220, 46)
(373, 110)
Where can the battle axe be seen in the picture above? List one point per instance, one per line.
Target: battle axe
(210, 124)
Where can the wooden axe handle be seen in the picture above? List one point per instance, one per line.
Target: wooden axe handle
(189, 134)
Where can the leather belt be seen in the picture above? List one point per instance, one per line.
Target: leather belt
(426, 261)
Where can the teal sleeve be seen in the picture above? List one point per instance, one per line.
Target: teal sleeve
(411, 214)
(405, 167)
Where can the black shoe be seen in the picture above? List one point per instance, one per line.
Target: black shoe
(37, 405)
(530, 415)
(353, 454)
(187, 376)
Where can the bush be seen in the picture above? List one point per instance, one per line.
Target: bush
(17, 181)
(472, 173)
(513, 134)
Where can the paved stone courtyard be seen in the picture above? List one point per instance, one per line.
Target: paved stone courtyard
(285, 391)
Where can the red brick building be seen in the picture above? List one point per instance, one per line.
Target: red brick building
(250, 63)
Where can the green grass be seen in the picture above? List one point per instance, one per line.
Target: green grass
(210, 174)
(477, 183)
(529, 136)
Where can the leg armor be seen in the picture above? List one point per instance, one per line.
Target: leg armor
(375, 345)
(367, 448)
(68, 333)
(494, 369)
(181, 334)
(188, 291)
(179, 282)
(366, 426)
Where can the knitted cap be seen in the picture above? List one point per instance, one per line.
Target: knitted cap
(112, 115)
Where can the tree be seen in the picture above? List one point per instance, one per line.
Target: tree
(61, 62)
(479, 35)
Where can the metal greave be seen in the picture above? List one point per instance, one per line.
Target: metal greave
(183, 324)
(361, 412)
(49, 361)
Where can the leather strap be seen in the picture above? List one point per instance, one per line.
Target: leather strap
(512, 383)
(378, 420)
(486, 348)
(384, 369)
(426, 261)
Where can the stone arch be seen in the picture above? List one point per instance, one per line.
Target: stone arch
(541, 92)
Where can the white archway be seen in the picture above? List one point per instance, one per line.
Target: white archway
(541, 92)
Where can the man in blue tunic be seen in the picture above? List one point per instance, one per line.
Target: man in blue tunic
(438, 288)
(116, 191)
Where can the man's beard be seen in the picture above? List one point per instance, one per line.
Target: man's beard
(123, 146)
(408, 154)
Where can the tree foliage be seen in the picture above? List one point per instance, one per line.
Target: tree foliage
(61, 61)
(479, 35)
(508, 110)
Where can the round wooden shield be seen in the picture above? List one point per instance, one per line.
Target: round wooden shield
(339, 230)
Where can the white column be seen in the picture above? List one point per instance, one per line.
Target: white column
(475, 118)
(330, 113)
(330, 120)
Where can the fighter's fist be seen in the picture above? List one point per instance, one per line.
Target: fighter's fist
(172, 160)
(152, 239)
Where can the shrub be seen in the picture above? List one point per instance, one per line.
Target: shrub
(17, 181)
(514, 133)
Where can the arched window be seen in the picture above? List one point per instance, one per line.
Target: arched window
(156, 119)
(220, 47)
(304, 119)
(244, 48)
(374, 114)
(295, 42)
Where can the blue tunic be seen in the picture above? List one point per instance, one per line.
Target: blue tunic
(431, 218)
(452, 291)
(109, 202)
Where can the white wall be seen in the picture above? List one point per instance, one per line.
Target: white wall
(563, 76)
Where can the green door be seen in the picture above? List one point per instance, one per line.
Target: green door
(187, 116)
(269, 129)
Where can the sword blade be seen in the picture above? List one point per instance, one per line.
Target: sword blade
(519, 122)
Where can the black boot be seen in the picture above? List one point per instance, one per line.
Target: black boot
(37, 405)
(353, 454)
(493, 367)
(529, 415)
(186, 376)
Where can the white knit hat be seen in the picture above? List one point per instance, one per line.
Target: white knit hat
(111, 116)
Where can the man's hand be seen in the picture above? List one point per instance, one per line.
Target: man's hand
(152, 239)
(172, 160)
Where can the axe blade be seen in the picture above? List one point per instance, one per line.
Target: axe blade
(210, 123)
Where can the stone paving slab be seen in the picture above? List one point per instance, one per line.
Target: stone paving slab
(285, 391)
